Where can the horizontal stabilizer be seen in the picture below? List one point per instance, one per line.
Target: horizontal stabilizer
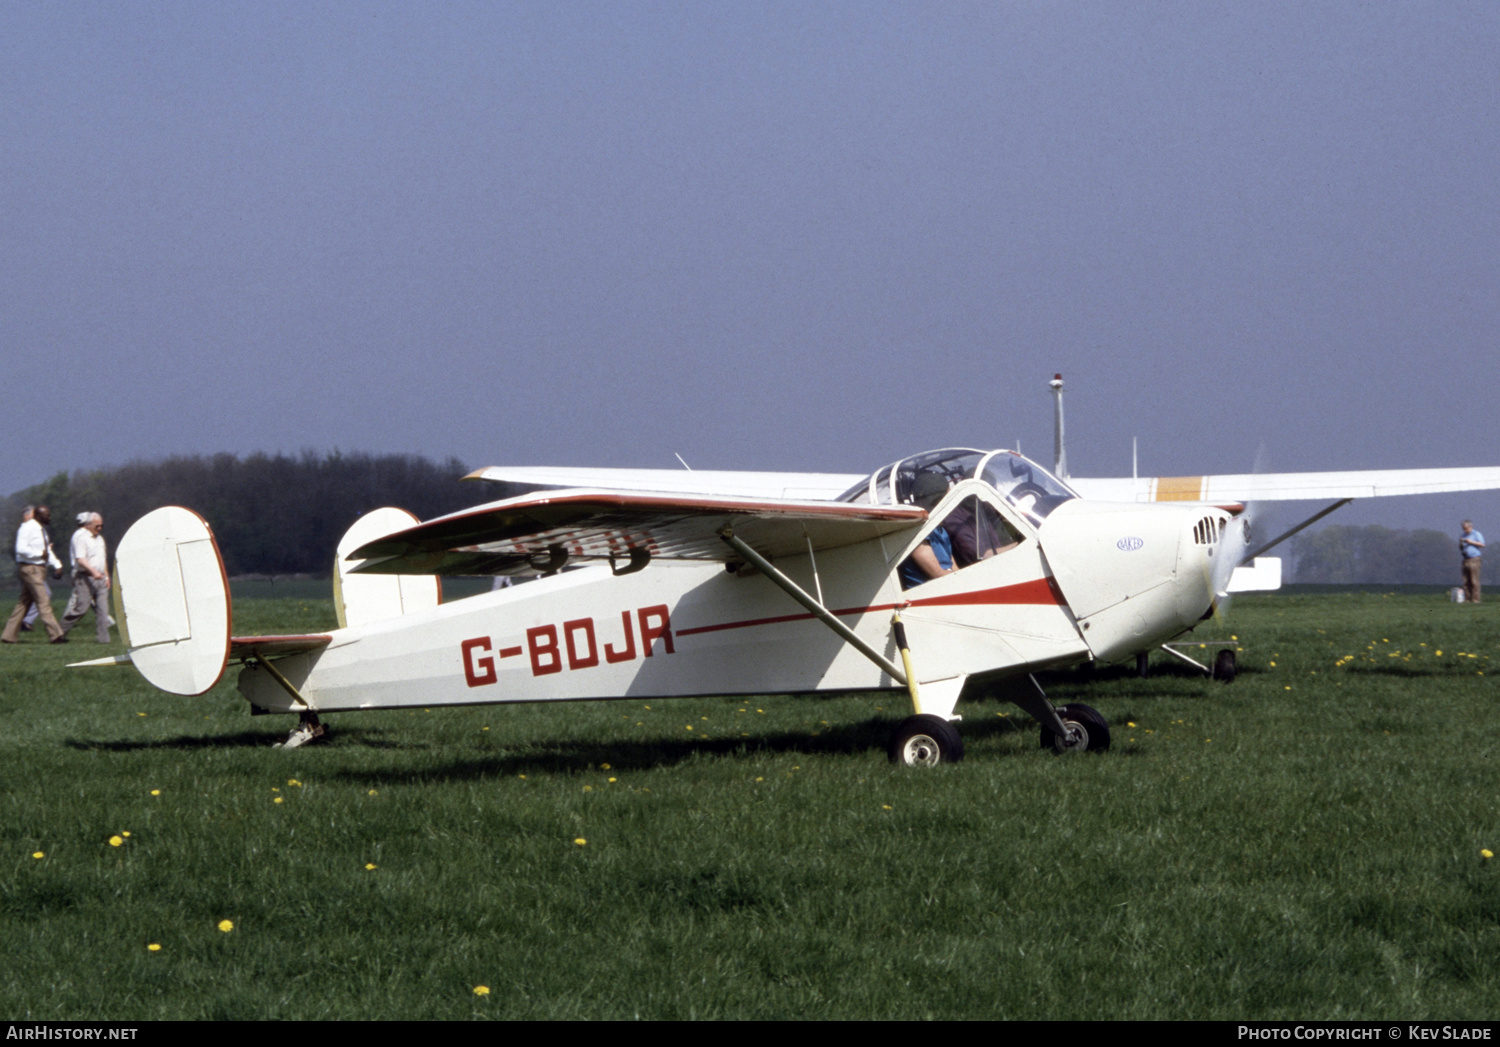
(495, 538)
(110, 659)
(241, 647)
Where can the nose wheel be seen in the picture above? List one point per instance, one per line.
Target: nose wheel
(925, 741)
(1087, 731)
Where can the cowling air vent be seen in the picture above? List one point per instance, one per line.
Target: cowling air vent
(1208, 531)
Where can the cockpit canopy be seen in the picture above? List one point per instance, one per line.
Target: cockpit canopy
(1020, 481)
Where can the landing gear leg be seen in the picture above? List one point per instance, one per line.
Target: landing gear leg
(1072, 728)
(309, 729)
(1143, 664)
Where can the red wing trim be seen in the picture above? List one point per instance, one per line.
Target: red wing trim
(1042, 592)
(402, 542)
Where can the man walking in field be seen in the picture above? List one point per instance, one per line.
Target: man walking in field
(90, 576)
(1471, 545)
(34, 556)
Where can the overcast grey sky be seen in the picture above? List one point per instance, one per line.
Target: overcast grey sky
(777, 236)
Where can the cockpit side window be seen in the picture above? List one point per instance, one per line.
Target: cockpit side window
(969, 532)
(978, 532)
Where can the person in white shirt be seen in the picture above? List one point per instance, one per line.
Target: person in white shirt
(30, 619)
(90, 576)
(34, 557)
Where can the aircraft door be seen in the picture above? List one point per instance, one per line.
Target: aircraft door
(991, 606)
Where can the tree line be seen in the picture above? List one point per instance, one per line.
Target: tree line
(1378, 555)
(272, 514)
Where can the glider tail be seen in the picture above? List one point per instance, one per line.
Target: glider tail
(362, 598)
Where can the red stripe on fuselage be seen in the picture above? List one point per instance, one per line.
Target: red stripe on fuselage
(1038, 592)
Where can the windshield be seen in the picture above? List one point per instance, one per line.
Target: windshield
(896, 483)
(1026, 485)
(1023, 483)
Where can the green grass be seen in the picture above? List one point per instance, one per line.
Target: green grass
(1304, 843)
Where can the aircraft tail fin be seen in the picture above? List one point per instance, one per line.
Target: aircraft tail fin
(172, 598)
(362, 598)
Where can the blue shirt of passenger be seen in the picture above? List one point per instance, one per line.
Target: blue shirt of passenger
(942, 547)
(1471, 551)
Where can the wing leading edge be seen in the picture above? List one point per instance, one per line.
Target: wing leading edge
(501, 536)
(1289, 487)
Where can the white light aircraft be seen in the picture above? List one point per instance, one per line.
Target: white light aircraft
(949, 575)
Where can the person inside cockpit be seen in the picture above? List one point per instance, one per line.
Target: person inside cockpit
(934, 557)
(977, 532)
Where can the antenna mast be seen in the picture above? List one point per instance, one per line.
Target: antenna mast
(1060, 458)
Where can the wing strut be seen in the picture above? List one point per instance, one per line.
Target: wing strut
(819, 612)
(1305, 523)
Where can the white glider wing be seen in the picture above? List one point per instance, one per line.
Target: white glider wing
(1288, 487)
(726, 484)
(554, 526)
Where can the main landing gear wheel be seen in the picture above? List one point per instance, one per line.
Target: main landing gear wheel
(1224, 665)
(1087, 731)
(926, 741)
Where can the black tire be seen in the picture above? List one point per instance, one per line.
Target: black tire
(1143, 664)
(1095, 730)
(1225, 666)
(925, 741)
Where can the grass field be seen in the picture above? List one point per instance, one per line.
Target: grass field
(1303, 843)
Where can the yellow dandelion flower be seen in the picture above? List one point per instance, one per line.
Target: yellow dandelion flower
(580, 841)
(605, 767)
(371, 866)
(1486, 854)
(116, 841)
(373, 792)
(155, 792)
(588, 788)
(885, 807)
(39, 854)
(481, 990)
(614, 779)
(226, 926)
(760, 779)
(277, 800)
(153, 947)
(294, 783)
(1130, 723)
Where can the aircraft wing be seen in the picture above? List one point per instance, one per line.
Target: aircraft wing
(1288, 487)
(726, 484)
(501, 536)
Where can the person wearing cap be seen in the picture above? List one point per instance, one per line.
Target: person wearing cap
(934, 557)
(34, 556)
(90, 576)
